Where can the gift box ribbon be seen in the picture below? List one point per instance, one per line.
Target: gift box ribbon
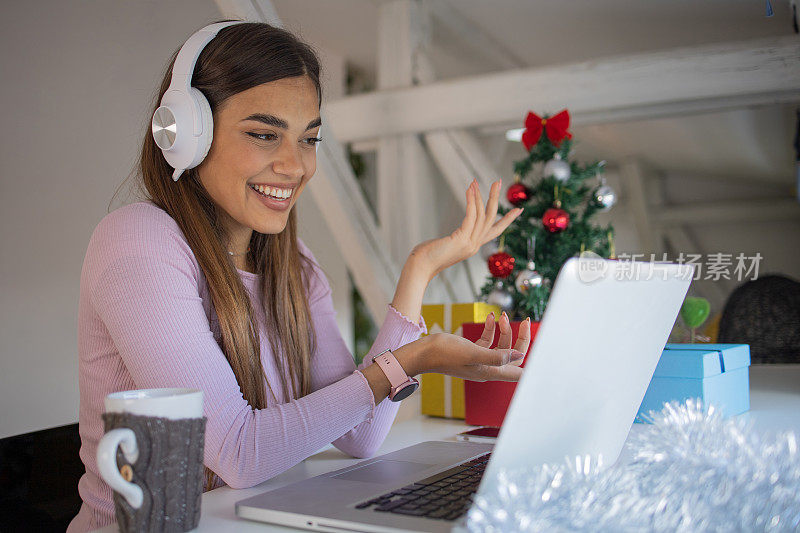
(448, 380)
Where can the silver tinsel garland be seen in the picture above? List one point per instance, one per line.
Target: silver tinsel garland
(691, 470)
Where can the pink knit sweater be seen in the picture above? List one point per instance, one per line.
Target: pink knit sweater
(145, 320)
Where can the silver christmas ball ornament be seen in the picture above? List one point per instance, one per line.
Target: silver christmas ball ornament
(557, 168)
(501, 298)
(528, 278)
(606, 197)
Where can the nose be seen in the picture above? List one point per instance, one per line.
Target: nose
(289, 161)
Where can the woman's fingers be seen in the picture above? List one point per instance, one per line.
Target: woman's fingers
(480, 219)
(524, 336)
(481, 363)
(459, 357)
(468, 225)
(507, 372)
(491, 206)
(479, 225)
(488, 332)
(505, 333)
(495, 357)
(502, 373)
(501, 225)
(523, 340)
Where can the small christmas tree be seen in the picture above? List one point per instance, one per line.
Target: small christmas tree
(558, 197)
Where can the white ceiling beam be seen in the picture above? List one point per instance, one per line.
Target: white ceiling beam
(459, 158)
(655, 189)
(361, 147)
(338, 196)
(724, 212)
(450, 162)
(473, 39)
(662, 110)
(703, 78)
(776, 185)
(645, 196)
(457, 153)
(636, 184)
(475, 156)
(251, 10)
(342, 204)
(402, 170)
(683, 243)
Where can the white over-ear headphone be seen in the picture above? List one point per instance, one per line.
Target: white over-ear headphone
(182, 125)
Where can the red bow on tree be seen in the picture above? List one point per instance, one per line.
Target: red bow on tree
(556, 128)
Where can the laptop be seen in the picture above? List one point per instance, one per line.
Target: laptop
(592, 359)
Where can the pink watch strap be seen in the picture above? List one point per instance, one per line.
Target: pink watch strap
(392, 368)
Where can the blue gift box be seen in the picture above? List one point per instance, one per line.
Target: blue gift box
(718, 374)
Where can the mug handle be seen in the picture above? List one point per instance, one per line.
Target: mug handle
(107, 463)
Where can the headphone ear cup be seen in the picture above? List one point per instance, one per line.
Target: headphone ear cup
(188, 150)
(184, 110)
(204, 140)
(177, 106)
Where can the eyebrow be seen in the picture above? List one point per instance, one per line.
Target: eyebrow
(272, 120)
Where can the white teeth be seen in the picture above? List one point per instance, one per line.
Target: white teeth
(274, 192)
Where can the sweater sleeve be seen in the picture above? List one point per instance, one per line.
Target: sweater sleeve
(144, 287)
(332, 361)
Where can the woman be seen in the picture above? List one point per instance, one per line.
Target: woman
(205, 285)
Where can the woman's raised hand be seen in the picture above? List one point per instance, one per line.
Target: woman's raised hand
(455, 356)
(477, 228)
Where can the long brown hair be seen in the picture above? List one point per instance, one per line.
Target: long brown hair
(238, 58)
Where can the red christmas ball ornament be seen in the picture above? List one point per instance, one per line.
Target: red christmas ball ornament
(517, 194)
(501, 264)
(555, 219)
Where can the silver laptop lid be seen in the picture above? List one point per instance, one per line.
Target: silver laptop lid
(592, 359)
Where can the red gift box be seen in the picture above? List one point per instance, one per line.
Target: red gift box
(486, 402)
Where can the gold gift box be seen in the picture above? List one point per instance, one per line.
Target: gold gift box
(444, 395)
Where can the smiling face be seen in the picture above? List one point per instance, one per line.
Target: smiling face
(261, 157)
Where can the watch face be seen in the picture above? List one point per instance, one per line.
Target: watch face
(405, 392)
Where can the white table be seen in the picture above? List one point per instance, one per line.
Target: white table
(774, 406)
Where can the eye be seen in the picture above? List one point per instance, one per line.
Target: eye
(263, 136)
(313, 140)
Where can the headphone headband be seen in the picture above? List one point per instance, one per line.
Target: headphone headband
(187, 56)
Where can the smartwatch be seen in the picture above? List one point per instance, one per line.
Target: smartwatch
(402, 385)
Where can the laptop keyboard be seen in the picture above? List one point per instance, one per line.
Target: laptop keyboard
(445, 496)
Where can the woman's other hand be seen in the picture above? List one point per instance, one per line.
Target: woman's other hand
(455, 356)
(477, 228)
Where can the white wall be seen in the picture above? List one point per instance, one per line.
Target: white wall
(78, 80)
(77, 83)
